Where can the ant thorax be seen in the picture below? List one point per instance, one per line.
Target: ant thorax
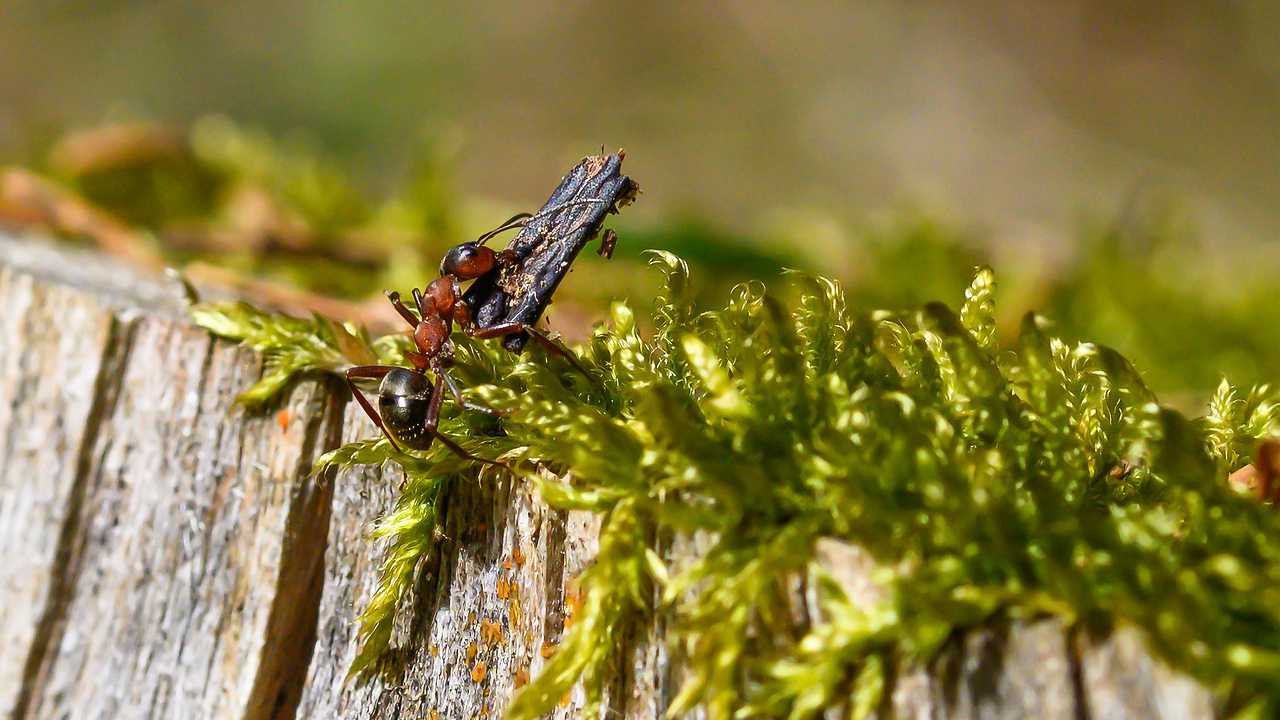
(442, 294)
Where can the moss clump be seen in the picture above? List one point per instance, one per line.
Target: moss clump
(1041, 479)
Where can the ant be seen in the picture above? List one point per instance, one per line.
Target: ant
(408, 401)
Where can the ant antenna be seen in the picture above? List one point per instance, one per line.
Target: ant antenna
(522, 219)
(517, 220)
(561, 206)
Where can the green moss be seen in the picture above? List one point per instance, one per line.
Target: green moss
(1044, 478)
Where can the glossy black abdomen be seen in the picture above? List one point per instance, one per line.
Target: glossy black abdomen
(403, 399)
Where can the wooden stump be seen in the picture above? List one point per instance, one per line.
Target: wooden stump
(165, 554)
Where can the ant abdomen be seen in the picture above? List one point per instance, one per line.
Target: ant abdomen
(404, 398)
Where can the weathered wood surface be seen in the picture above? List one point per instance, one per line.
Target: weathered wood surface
(163, 554)
(151, 529)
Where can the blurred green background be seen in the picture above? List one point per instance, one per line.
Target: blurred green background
(1117, 163)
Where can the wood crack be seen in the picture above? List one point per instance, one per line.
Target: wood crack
(1078, 687)
(292, 624)
(553, 618)
(70, 545)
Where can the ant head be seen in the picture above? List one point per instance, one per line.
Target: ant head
(467, 261)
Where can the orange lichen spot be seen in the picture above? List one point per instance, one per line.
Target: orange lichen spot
(548, 649)
(433, 715)
(479, 671)
(491, 632)
(513, 610)
(521, 678)
(434, 650)
(472, 651)
(573, 601)
(504, 588)
(517, 556)
(471, 618)
(282, 419)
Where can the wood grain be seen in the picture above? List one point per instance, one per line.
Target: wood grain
(197, 543)
(58, 349)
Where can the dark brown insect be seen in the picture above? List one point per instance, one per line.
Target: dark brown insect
(1262, 476)
(409, 399)
(608, 242)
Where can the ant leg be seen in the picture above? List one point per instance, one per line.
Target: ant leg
(405, 313)
(457, 396)
(433, 421)
(462, 452)
(419, 300)
(517, 220)
(374, 372)
(512, 328)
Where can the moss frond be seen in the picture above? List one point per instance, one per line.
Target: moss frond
(290, 345)
(1235, 423)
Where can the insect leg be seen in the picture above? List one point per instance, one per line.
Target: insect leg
(419, 301)
(462, 452)
(375, 372)
(512, 328)
(457, 396)
(405, 313)
(432, 423)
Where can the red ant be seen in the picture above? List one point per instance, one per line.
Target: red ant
(408, 402)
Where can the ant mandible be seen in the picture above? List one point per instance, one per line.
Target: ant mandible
(408, 401)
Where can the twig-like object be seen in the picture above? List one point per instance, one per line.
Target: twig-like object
(547, 245)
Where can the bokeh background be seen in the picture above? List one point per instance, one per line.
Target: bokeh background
(1117, 163)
